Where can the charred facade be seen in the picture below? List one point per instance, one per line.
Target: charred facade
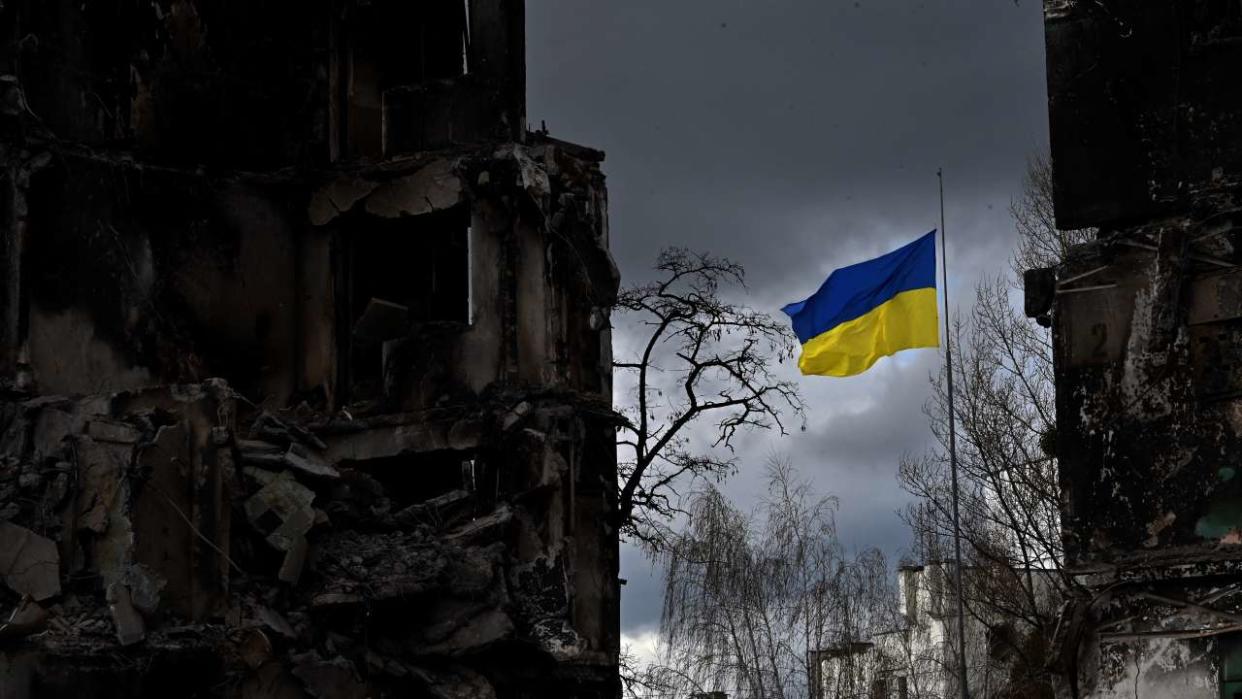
(1146, 133)
(305, 372)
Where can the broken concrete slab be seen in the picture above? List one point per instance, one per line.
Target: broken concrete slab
(469, 629)
(296, 457)
(301, 459)
(436, 510)
(115, 431)
(128, 623)
(285, 499)
(515, 415)
(355, 566)
(273, 620)
(384, 440)
(254, 648)
(454, 682)
(292, 530)
(485, 528)
(29, 563)
(145, 586)
(294, 561)
(269, 428)
(251, 449)
(532, 176)
(434, 187)
(336, 198)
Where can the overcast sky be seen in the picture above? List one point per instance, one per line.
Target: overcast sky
(797, 136)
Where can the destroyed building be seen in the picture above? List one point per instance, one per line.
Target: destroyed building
(305, 373)
(915, 656)
(1146, 129)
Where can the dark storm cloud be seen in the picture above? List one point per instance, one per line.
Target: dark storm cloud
(796, 136)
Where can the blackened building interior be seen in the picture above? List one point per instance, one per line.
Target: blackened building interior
(305, 372)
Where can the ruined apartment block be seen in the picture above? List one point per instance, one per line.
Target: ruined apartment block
(1146, 126)
(305, 371)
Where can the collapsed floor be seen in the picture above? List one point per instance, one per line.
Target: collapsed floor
(179, 540)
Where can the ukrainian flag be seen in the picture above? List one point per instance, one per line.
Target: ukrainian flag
(869, 310)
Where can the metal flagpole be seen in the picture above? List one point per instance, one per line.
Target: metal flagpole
(957, 531)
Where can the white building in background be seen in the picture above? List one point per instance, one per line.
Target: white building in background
(917, 659)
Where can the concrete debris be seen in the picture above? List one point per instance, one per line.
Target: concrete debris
(330, 679)
(145, 586)
(432, 188)
(357, 567)
(255, 451)
(255, 648)
(515, 415)
(273, 620)
(29, 563)
(294, 560)
(532, 177)
(296, 457)
(26, 619)
(464, 632)
(129, 626)
(455, 682)
(336, 198)
(440, 509)
(282, 511)
(488, 527)
(101, 469)
(272, 429)
(113, 431)
(304, 461)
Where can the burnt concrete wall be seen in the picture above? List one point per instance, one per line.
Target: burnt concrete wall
(1147, 146)
(1142, 112)
(1148, 413)
(234, 85)
(133, 279)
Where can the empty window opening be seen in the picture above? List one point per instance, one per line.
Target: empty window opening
(912, 598)
(412, 479)
(391, 44)
(403, 273)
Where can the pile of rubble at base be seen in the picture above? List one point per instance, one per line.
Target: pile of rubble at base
(179, 541)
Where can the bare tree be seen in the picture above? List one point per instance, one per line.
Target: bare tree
(1005, 413)
(702, 361)
(751, 599)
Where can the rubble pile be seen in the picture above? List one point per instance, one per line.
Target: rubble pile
(152, 534)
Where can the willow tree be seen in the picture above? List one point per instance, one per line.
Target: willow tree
(750, 598)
